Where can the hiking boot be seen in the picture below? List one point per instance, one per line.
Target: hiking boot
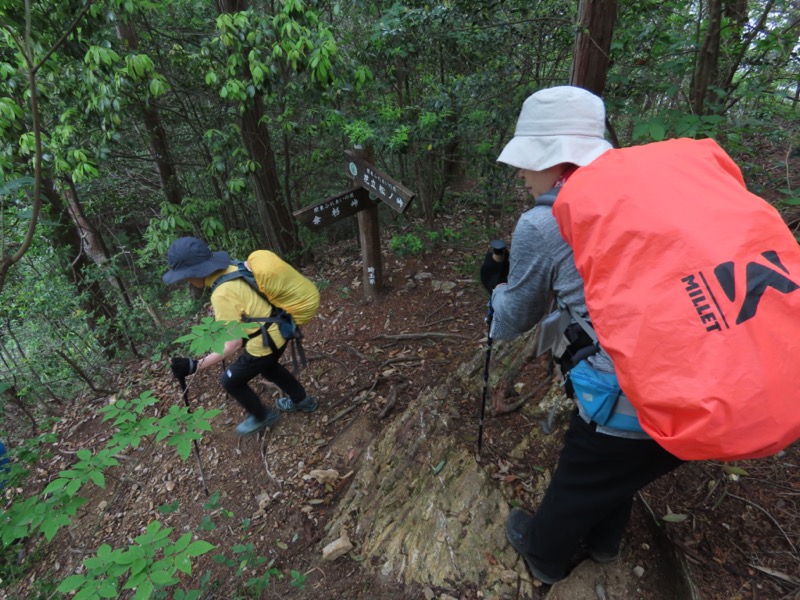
(286, 405)
(517, 526)
(250, 425)
(603, 558)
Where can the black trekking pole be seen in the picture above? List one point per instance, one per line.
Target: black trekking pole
(499, 251)
(184, 394)
(485, 376)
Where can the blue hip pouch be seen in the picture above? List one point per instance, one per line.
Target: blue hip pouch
(602, 399)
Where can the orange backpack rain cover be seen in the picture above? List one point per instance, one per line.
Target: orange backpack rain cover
(692, 286)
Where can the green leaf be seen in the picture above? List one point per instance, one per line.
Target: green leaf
(169, 508)
(183, 564)
(162, 578)
(71, 583)
(182, 543)
(657, 131)
(73, 487)
(674, 518)
(98, 478)
(55, 486)
(51, 526)
(156, 87)
(139, 565)
(734, 470)
(108, 589)
(145, 590)
(87, 593)
(184, 448)
(133, 554)
(199, 548)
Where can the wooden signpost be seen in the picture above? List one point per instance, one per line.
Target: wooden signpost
(373, 187)
(334, 209)
(396, 195)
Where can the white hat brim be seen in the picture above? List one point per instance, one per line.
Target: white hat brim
(537, 153)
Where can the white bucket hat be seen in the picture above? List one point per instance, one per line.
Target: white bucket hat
(556, 125)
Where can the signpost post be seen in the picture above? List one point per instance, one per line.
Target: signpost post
(373, 187)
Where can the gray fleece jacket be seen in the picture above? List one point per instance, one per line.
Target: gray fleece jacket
(542, 263)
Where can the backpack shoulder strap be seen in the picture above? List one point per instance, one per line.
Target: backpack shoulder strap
(585, 325)
(241, 272)
(548, 198)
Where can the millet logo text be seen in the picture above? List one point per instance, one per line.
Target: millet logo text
(758, 278)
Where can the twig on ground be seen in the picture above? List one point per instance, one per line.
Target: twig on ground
(398, 359)
(771, 518)
(363, 357)
(500, 407)
(445, 320)
(368, 386)
(417, 336)
(393, 398)
(266, 464)
(777, 575)
(425, 323)
(344, 411)
(325, 355)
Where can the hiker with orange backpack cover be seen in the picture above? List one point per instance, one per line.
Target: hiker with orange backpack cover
(676, 282)
(282, 287)
(589, 499)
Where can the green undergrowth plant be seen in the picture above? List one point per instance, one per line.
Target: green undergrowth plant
(154, 559)
(152, 562)
(250, 568)
(407, 244)
(211, 335)
(423, 239)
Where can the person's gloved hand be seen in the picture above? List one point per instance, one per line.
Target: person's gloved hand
(494, 271)
(183, 367)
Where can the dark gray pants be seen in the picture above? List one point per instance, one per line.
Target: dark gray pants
(591, 495)
(235, 380)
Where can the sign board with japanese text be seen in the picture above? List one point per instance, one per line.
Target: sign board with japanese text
(335, 208)
(395, 194)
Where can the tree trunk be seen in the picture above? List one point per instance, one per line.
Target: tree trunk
(706, 67)
(13, 395)
(11, 390)
(34, 373)
(156, 136)
(278, 227)
(593, 44)
(92, 297)
(92, 241)
(280, 232)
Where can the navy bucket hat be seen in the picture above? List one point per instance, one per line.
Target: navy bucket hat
(191, 257)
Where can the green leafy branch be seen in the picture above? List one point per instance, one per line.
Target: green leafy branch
(211, 335)
(48, 512)
(151, 563)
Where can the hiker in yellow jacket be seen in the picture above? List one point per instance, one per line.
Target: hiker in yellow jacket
(191, 259)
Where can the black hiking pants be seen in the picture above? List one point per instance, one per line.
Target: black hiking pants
(590, 496)
(235, 380)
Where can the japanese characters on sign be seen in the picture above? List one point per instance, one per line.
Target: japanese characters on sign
(396, 195)
(334, 208)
